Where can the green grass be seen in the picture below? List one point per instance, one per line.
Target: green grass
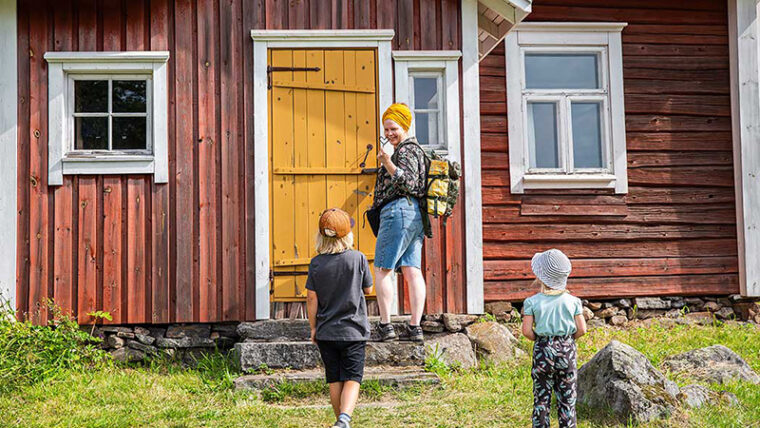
(166, 395)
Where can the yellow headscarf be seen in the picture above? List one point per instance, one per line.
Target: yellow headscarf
(400, 114)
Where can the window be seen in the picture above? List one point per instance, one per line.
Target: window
(108, 114)
(428, 82)
(565, 106)
(426, 100)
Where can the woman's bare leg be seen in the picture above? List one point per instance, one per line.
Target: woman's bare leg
(416, 281)
(384, 291)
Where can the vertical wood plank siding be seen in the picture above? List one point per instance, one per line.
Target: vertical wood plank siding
(182, 251)
(676, 234)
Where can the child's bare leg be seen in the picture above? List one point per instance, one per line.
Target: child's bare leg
(336, 392)
(349, 397)
(384, 290)
(417, 290)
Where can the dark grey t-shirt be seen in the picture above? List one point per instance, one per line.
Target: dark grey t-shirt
(339, 280)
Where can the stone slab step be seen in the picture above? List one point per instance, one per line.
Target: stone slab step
(304, 355)
(299, 330)
(393, 377)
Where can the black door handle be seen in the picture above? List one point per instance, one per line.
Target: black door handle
(364, 162)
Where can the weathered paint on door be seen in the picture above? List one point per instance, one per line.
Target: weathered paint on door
(321, 126)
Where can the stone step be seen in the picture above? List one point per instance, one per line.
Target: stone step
(393, 377)
(299, 330)
(299, 355)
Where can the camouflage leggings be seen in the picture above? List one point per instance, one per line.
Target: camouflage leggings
(554, 369)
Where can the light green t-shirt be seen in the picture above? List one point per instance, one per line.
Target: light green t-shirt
(553, 315)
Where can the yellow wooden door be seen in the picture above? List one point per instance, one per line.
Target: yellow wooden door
(320, 126)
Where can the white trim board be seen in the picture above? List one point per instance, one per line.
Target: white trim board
(473, 209)
(8, 151)
(745, 117)
(263, 40)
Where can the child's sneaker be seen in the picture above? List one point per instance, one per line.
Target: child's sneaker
(415, 333)
(344, 421)
(387, 332)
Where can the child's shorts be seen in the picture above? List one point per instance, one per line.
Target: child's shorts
(343, 360)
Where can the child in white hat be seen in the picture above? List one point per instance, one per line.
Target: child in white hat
(553, 318)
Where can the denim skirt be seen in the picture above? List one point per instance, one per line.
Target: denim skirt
(399, 240)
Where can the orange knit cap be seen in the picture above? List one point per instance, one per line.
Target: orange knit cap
(400, 114)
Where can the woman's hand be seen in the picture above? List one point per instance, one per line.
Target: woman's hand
(384, 158)
(314, 336)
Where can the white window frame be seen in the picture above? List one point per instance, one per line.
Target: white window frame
(445, 66)
(602, 39)
(72, 151)
(66, 67)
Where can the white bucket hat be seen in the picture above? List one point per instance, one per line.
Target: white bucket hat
(552, 267)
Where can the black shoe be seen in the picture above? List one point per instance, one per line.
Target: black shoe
(415, 333)
(387, 333)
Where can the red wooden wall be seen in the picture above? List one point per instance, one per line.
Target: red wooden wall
(675, 230)
(183, 251)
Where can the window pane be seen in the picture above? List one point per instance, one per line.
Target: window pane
(129, 96)
(561, 71)
(91, 96)
(129, 133)
(587, 135)
(91, 133)
(425, 93)
(426, 127)
(542, 135)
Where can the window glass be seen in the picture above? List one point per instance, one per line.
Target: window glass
(125, 119)
(561, 71)
(91, 96)
(129, 133)
(587, 134)
(425, 93)
(542, 135)
(426, 125)
(91, 133)
(129, 96)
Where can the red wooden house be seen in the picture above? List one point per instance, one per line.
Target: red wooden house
(165, 160)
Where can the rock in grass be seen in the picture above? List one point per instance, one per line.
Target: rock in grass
(114, 342)
(698, 395)
(494, 342)
(621, 379)
(715, 363)
(453, 349)
(128, 355)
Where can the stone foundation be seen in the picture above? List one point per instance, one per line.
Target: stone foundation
(618, 312)
(186, 342)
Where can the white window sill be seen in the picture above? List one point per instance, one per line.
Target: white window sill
(74, 164)
(566, 181)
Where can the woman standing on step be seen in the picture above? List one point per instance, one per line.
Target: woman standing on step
(399, 188)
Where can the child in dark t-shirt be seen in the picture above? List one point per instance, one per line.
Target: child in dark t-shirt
(338, 279)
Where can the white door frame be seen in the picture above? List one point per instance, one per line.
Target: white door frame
(263, 40)
(8, 151)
